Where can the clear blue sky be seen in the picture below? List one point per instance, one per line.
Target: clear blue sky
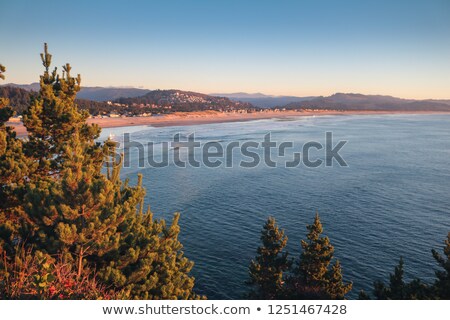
(301, 47)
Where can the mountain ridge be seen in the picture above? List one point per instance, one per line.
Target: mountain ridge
(261, 100)
(337, 101)
(357, 101)
(97, 93)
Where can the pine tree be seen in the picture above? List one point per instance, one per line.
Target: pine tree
(418, 290)
(5, 113)
(441, 287)
(94, 221)
(267, 270)
(336, 287)
(313, 277)
(170, 268)
(380, 291)
(316, 256)
(2, 70)
(53, 118)
(398, 288)
(396, 282)
(14, 170)
(363, 295)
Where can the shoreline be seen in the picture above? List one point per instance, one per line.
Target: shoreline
(206, 117)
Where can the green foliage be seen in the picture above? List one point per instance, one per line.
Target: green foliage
(19, 99)
(274, 277)
(336, 288)
(2, 70)
(314, 270)
(68, 206)
(398, 288)
(316, 256)
(53, 119)
(442, 284)
(396, 283)
(267, 270)
(5, 114)
(14, 170)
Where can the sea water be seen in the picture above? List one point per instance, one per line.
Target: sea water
(392, 199)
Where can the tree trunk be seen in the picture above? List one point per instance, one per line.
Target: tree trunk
(80, 263)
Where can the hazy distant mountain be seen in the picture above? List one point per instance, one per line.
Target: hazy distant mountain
(19, 99)
(186, 101)
(93, 93)
(109, 94)
(128, 100)
(243, 95)
(262, 100)
(29, 87)
(352, 101)
(439, 101)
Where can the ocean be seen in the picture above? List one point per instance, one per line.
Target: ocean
(392, 199)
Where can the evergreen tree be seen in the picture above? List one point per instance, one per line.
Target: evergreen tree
(170, 268)
(362, 295)
(316, 256)
(95, 222)
(267, 270)
(398, 289)
(336, 287)
(442, 285)
(2, 70)
(380, 291)
(313, 278)
(396, 282)
(418, 290)
(14, 169)
(5, 113)
(53, 118)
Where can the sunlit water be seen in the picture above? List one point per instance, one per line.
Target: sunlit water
(392, 200)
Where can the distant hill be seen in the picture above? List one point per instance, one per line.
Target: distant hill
(92, 93)
(156, 101)
(19, 100)
(28, 87)
(109, 94)
(439, 101)
(178, 100)
(138, 101)
(352, 101)
(262, 100)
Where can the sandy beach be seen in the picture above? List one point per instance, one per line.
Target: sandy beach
(205, 117)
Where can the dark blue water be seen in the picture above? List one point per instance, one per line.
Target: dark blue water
(392, 200)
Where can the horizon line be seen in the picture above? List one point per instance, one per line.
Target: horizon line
(242, 92)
